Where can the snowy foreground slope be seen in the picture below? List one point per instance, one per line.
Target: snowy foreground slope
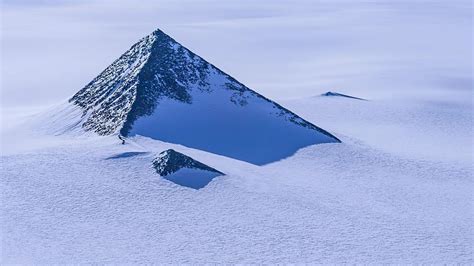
(79, 200)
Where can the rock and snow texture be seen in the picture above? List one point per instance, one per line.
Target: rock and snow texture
(107, 100)
(184, 170)
(160, 89)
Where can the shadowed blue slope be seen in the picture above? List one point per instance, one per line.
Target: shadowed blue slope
(251, 133)
(192, 178)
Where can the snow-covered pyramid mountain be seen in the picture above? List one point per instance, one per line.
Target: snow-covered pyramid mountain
(184, 170)
(160, 89)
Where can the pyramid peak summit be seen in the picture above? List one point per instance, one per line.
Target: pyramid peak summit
(159, 32)
(159, 35)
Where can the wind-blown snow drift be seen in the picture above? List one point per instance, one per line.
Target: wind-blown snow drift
(161, 90)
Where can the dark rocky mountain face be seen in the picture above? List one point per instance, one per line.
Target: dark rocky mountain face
(184, 170)
(107, 100)
(161, 90)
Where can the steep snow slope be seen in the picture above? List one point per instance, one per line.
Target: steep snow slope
(161, 90)
(255, 133)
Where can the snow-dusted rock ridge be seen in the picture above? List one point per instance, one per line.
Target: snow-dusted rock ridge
(337, 94)
(161, 90)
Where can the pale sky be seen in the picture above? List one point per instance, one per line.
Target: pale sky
(282, 49)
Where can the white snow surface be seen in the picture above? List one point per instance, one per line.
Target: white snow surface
(398, 189)
(80, 201)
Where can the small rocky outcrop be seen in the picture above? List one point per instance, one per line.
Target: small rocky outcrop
(184, 170)
(336, 94)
